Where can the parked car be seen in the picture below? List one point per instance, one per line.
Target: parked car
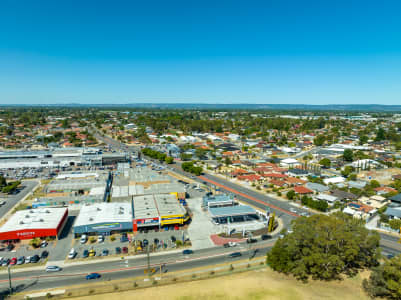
(2, 203)
(235, 254)
(72, 253)
(100, 239)
(124, 239)
(5, 262)
(53, 269)
(85, 254)
(92, 252)
(266, 237)
(28, 259)
(93, 276)
(21, 260)
(43, 244)
(35, 259)
(173, 239)
(10, 247)
(118, 250)
(13, 261)
(44, 254)
(105, 252)
(125, 250)
(83, 239)
(232, 244)
(187, 252)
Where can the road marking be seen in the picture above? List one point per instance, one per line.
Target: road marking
(249, 197)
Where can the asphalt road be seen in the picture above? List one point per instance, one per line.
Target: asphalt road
(111, 270)
(12, 200)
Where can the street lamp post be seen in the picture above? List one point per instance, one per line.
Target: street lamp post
(9, 279)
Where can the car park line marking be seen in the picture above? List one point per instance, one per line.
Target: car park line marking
(249, 197)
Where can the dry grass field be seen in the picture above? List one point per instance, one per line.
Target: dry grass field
(253, 285)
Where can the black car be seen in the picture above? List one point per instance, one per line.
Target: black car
(173, 239)
(10, 247)
(266, 237)
(123, 239)
(118, 250)
(35, 258)
(251, 241)
(235, 254)
(44, 254)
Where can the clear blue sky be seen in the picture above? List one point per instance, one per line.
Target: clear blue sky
(269, 51)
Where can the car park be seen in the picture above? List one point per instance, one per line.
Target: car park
(53, 269)
(235, 254)
(21, 260)
(92, 276)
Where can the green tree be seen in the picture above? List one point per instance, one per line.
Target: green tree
(347, 171)
(169, 160)
(325, 162)
(348, 155)
(385, 280)
(374, 184)
(380, 135)
(363, 139)
(290, 194)
(325, 247)
(395, 224)
(319, 140)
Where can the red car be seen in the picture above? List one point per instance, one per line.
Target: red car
(13, 261)
(125, 250)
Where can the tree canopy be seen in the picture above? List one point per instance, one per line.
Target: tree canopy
(324, 247)
(385, 280)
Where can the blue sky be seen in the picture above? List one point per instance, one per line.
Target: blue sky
(271, 51)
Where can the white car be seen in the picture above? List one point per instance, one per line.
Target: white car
(53, 269)
(27, 259)
(232, 244)
(72, 254)
(100, 239)
(83, 239)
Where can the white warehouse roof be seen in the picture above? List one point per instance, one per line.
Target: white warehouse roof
(39, 218)
(104, 212)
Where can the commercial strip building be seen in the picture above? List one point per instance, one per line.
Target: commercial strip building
(34, 223)
(103, 218)
(157, 210)
(59, 158)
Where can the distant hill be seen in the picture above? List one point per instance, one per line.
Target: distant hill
(289, 107)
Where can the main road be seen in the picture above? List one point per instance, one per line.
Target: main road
(127, 268)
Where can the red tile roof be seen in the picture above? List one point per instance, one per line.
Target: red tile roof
(302, 190)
